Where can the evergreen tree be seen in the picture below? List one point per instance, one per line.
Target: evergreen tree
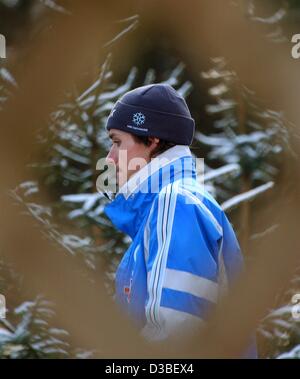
(243, 160)
(249, 140)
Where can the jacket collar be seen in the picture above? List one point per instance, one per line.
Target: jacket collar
(133, 201)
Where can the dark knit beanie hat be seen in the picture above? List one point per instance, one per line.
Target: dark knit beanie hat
(155, 110)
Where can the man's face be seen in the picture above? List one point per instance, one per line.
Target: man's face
(128, 155)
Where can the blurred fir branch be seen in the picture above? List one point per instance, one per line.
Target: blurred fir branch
(7, 85)
(249, 141)
(277, 17)
(76, 139)
(27, 333)
(55, 6)
(250, 138)
(279, 331)
(31, 335)
(27, 330)
(292, 354)
(248, 135)
(132, 22)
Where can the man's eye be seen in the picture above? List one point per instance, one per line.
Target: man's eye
(116, 142)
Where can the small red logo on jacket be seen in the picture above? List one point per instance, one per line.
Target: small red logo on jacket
(127, 291)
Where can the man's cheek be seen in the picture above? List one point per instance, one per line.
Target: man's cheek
(122, 175)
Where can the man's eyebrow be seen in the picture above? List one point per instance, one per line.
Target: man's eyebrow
(113, 135)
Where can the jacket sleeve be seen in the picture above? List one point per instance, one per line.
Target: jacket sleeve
(182, 240)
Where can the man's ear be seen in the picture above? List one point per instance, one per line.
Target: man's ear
(153, 141)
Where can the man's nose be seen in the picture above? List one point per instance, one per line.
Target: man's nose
(111, 157)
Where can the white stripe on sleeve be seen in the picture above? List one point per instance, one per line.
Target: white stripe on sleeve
(184, 281)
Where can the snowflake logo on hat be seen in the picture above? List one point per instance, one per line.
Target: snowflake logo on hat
(139, 118)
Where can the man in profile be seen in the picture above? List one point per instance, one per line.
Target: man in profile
(184, 253)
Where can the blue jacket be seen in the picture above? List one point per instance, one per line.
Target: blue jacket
(184, 253)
